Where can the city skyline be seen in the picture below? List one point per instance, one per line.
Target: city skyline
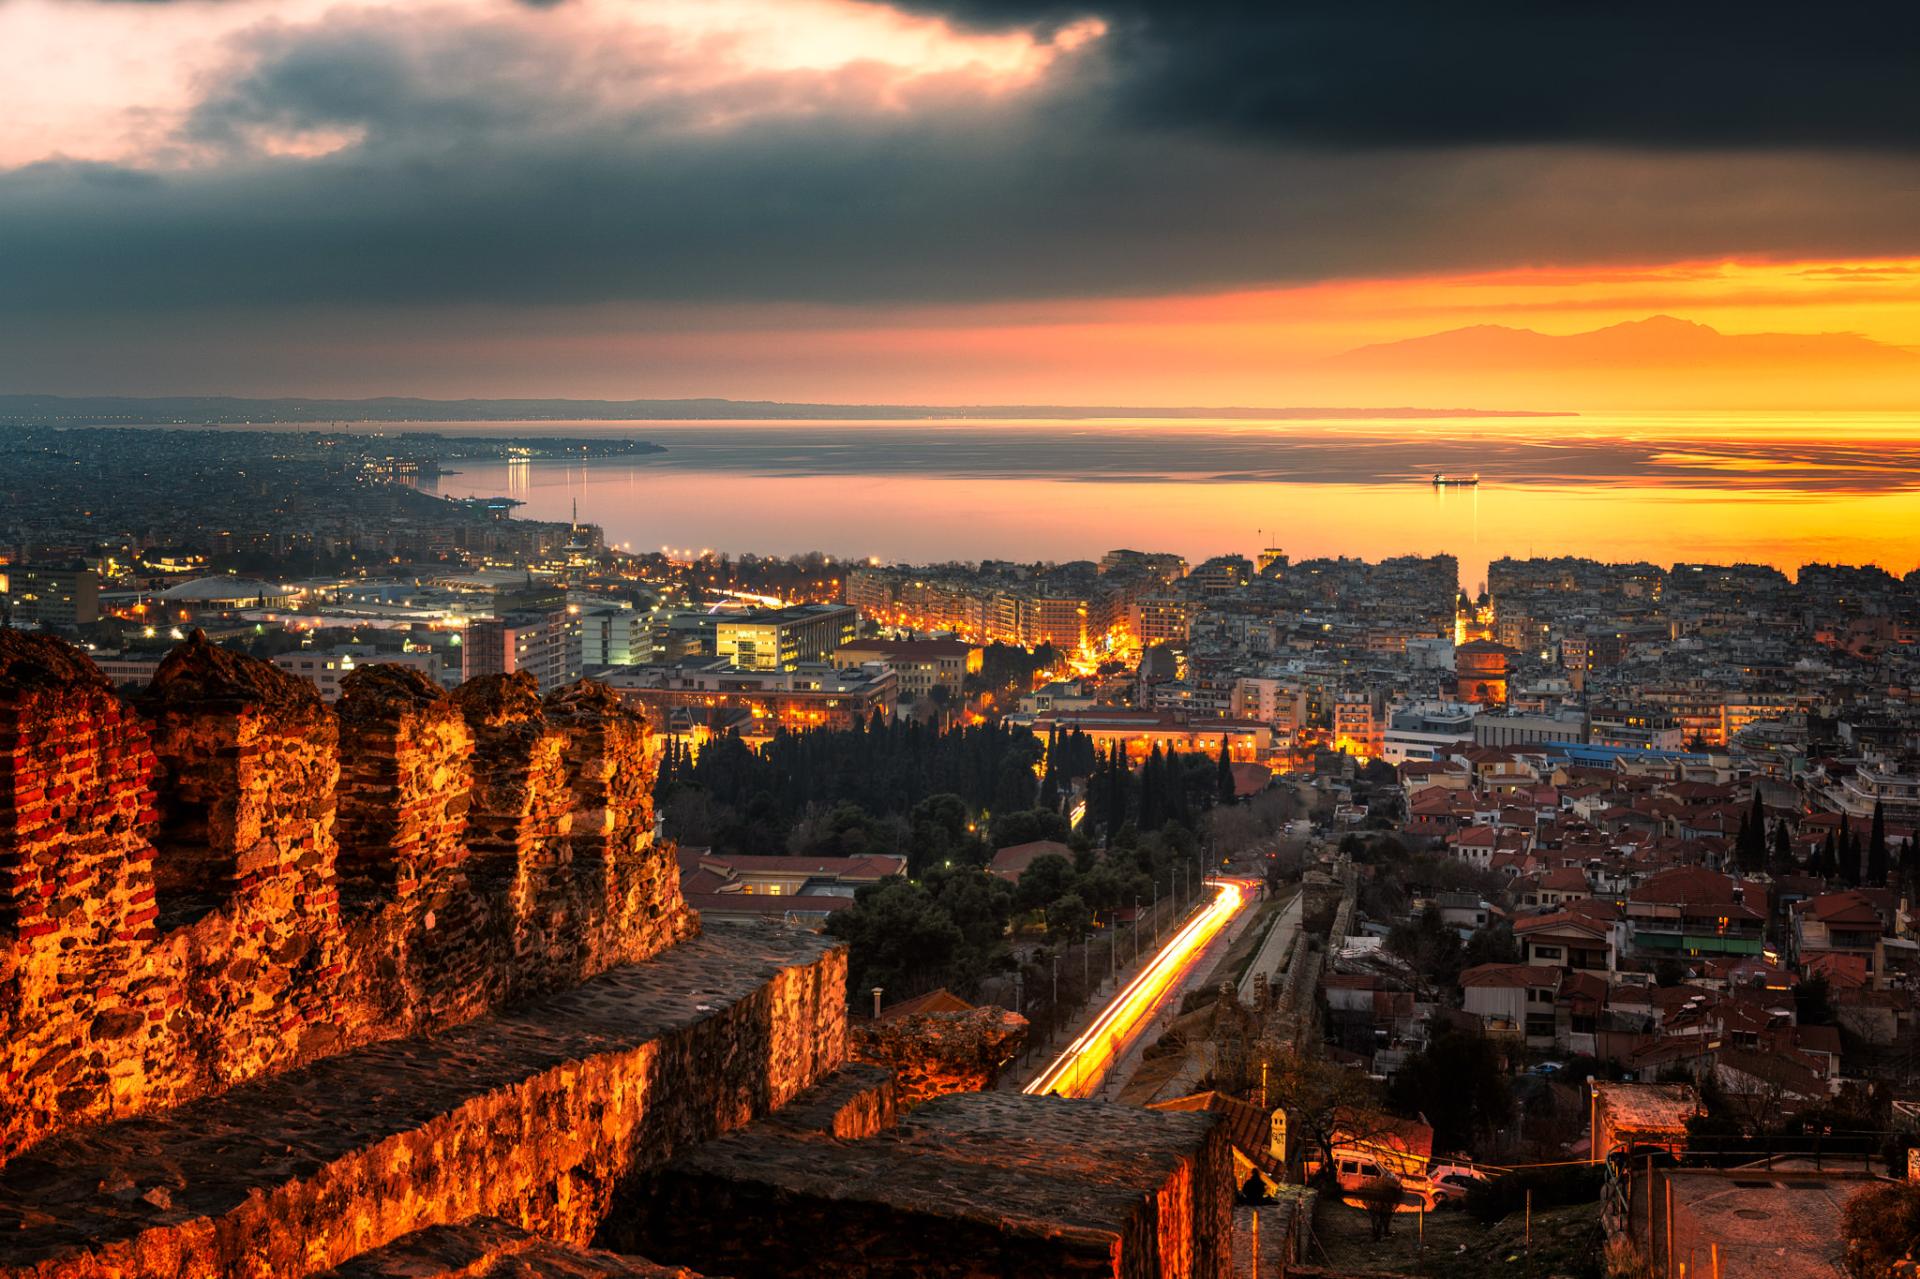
(1100, 202)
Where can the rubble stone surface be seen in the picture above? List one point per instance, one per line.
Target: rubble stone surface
(933, 1054)
(226, 878)
(980, 1184)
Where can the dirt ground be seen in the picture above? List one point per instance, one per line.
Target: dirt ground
(1565, 1243)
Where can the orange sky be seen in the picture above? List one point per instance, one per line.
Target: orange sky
(863, 201)
(1273, 347)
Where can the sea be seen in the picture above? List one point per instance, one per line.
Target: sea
(1776, 488)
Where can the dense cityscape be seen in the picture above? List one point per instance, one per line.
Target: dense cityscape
(959, 639)
(1629, 849)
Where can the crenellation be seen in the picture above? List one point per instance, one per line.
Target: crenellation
(249, 947)
(76, 891)
(225, 877)
(406, 782)
(414, 990)
(632, 884)
(406, 790)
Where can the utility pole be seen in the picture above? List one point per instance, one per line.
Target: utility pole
(1136, 929)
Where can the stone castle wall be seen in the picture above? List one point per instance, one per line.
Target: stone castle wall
(223, 877)
(933, 1054)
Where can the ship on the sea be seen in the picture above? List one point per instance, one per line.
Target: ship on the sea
(1454, 481)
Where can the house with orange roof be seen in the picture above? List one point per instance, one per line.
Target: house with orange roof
(1845, 923)
(1553, 887)
(1579, 936)
(1513, 1000)
(1689, 912)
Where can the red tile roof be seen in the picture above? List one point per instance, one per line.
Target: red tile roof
(825, 867)
(1509, 976)
(934, 1001)
(1011, 863)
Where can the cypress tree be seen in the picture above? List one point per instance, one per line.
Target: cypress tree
(1752, 843)
(1151, 813)
(1180, 809)
(1118, 784)
(1223, 777)
(1782, 848)
(1877, 847)
(1910, 869)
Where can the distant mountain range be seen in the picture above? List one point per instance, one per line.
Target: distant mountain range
(220, 410)
(1660, 341)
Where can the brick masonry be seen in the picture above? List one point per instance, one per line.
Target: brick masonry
(225, 878)
(404, 987)
(535, 1116)
(933, 1054)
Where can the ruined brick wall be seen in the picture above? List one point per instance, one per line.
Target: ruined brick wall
(227, 877)
(934, 1054)
(77, 1005)
(245, 948)
(533, 1115)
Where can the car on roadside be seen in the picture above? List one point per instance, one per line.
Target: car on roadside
(1465, 1176)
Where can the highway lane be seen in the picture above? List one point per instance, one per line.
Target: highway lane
(1080, 1068)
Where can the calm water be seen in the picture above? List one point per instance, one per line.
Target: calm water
(1780, 489)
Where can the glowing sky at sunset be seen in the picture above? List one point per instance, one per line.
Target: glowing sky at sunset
(962, 201)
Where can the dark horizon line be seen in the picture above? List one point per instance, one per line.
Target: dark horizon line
(224, 410)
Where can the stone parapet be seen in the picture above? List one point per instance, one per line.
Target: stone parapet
(490, 1249)
(225, 877)
(855, 1101)
(533, 1116)
(933, 1054)
(965, 1185)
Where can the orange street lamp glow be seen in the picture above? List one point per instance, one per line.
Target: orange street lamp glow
(1077, 1072)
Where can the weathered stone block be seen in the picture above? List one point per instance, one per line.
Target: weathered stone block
(486, 1248)
(966, 1186)
(171, 917)
(933, 1054)
(532, 1116)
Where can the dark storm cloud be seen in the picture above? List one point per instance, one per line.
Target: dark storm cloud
(1461, 72)
(481, 167)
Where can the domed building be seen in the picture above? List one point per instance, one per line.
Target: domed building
(224, 595)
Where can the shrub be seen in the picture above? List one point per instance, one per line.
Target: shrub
(1881, 1224)
(1489, 1201)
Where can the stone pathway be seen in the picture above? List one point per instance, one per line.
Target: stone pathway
(290, 1174)
(1273, 951)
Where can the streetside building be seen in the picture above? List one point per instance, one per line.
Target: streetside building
(710, 696)
(1138, 732)
(784, 638)
(50, 596)
(543, 642)
(919, 665)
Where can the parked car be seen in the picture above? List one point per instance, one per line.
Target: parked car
(1464, 1176)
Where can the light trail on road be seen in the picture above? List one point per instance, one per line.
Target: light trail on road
(1078, 1071)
